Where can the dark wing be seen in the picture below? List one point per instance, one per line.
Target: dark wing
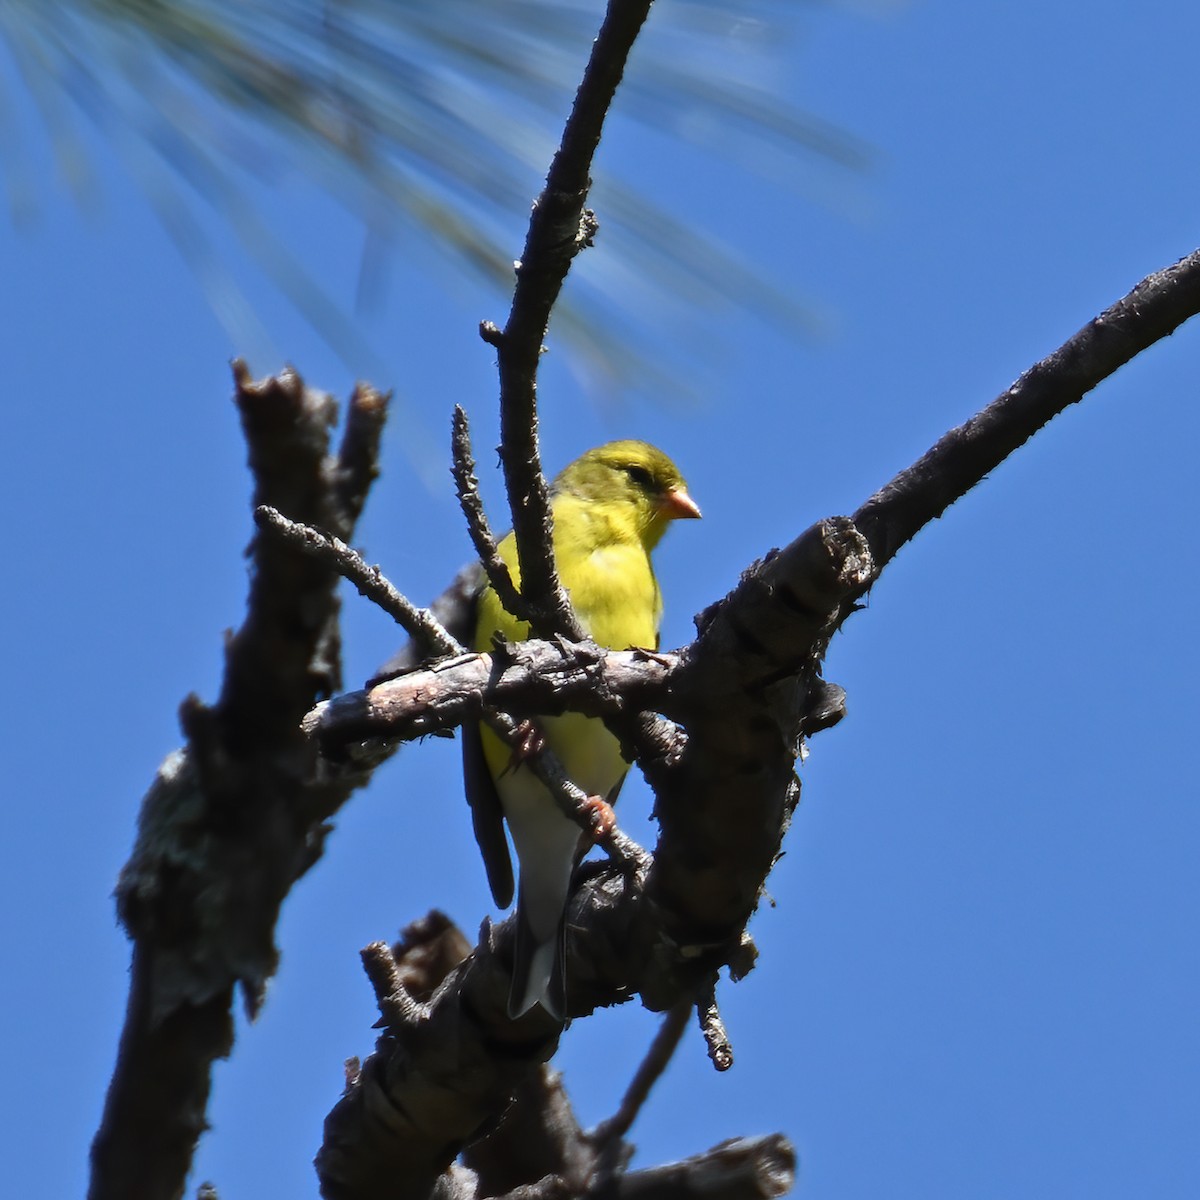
(487, 815)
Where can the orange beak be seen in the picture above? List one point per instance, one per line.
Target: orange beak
(677, 503)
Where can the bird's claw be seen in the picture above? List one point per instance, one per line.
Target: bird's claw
(601, 817)
(529, 742)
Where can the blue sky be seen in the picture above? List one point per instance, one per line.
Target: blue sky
(980, 971)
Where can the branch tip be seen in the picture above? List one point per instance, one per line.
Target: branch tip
(380, 966)
(713, 1029)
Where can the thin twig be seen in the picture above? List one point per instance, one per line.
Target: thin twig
(608, 1136)
(454, 609)
(467, 486)
(418, 623)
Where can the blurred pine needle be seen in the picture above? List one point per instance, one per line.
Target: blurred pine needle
(438, 114)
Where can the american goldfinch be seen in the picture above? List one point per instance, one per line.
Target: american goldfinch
(611, 507)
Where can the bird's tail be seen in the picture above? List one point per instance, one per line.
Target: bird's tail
(538, 969)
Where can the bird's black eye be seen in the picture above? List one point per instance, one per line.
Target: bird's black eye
(639, 476)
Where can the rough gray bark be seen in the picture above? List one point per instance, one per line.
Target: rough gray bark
(237, 815)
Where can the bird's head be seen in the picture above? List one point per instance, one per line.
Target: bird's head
(632, 481)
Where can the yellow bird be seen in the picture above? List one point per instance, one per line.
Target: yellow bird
(611, 507)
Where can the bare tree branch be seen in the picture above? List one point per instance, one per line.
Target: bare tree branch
(592, 817)
(740, 1169)
(713, 1028)
(524, 679)
(418, 623)
(233, 819)
(430, 1088)
(357, 463)
(558, 229)
(609, 1136)
(538, 1138)
(1153, 310)
(238, 815)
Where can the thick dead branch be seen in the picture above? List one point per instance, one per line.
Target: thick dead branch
(234, 818)
(756, 661)
(538, 1137)
(434, 1085)
(740, 1169)
(441, 1075)
(743, 693)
